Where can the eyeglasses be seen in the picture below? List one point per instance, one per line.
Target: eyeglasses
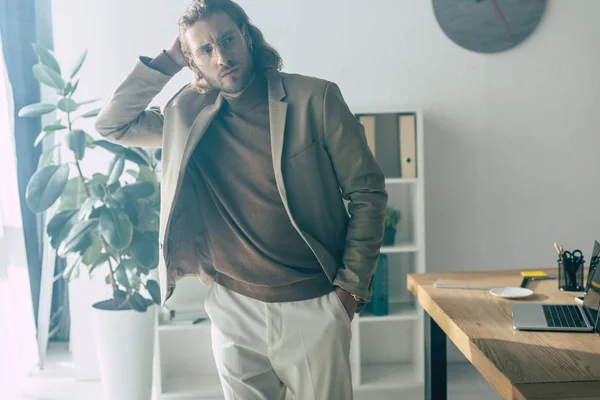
(228, 44)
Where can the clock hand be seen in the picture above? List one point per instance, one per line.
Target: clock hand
(501, 15)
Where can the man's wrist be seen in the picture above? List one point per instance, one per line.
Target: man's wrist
(353, 295)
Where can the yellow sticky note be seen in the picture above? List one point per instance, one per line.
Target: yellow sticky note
(534, 274)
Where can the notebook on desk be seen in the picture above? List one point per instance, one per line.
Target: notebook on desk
(560, 317)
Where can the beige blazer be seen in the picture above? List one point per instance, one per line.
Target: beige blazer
(320, 157)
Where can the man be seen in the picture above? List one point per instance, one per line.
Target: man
(256, 165)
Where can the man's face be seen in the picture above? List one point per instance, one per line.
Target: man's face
(221, 52)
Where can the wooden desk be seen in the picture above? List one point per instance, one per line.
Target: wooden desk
(519, 365)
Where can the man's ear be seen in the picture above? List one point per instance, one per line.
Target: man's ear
(188, 58)
(192, 64)
(246, 35)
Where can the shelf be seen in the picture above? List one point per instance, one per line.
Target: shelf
(397, 312)
(387, 376)
(191, 387)
(400, 248)
(182, 325)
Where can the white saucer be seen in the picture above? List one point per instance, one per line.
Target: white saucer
(511, 292)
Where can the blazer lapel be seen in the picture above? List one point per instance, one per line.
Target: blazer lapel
(199, 127)
(277, 117)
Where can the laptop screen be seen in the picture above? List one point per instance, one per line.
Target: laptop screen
(592, 297)
(594, 261)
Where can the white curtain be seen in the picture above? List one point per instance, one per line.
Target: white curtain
(18, 347)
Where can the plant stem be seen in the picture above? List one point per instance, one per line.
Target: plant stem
(112, 278)
(87, 190)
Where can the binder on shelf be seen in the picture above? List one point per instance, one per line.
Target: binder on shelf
(368, 122)
(408, 146)
(379, 304)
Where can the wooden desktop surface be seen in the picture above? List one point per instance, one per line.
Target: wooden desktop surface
(518, 364)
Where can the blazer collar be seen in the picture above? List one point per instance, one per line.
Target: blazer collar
(276, 90)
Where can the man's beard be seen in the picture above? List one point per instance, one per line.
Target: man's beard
(245, 78)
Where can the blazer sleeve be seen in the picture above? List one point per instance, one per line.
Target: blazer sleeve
(363, 185)
(125, 117)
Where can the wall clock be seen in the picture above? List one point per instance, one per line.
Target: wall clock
(488, 26)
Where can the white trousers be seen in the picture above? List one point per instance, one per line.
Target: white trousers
(263, 348)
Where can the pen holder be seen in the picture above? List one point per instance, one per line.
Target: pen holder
(570, 275)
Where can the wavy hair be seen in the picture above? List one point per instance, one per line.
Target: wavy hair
(264, 56)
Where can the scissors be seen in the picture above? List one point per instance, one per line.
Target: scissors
(574, 258)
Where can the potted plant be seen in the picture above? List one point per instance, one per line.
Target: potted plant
(101, 221)
(392, 217)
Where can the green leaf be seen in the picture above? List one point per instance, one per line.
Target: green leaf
(144, 249)
(43, 135)
(120, 296)
(76, 141)
(67, 105)
(59, 226)
(46, 186)
(98, 262)
(141, 153)
(91, 113)
(138, 303)
(48, 77)
(148, 219)
(97, 211)
(130, 208)
(158, 154)
(89, 139)
(131, 155)
(112, 147)
(146, 174)
(121, 276)
(78, 64)
(93, 252)
(83, 103)
(154, 290)
(116, 228)
(73, 89)
(67, 90)
(97, 184)
(47, 132)
(133, 173)
(116, 168)
(74, 195)
(71, 269)
(134, 191)
(133, 273)
(77, 235)
(47, 156)
(87, 207)
(36, 110)
(46, 58)
(55, 126)
(84, 244)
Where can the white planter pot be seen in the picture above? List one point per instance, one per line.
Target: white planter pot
(125, 344)
(83, 293)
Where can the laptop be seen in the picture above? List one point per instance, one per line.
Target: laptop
(559, 317)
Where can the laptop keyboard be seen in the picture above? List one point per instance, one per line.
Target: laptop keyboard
(566, 316)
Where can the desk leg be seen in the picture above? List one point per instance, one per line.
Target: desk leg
(436, 376)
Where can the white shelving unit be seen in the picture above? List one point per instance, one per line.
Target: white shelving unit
(387, 352)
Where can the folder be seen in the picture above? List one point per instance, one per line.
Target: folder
(368, 122)
(408, 146)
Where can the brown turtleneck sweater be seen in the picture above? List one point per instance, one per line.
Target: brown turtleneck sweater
(255, 249)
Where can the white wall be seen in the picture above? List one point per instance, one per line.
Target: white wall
(512, 139)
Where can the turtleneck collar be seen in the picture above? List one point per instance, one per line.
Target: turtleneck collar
(254, 95)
